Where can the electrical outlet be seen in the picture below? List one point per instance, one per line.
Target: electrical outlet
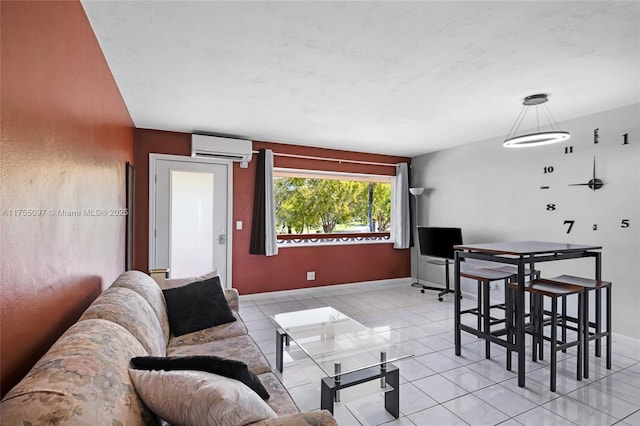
(311, 275)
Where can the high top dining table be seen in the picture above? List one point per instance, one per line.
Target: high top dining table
(521, 254)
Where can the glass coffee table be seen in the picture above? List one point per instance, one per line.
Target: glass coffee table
(345, 350)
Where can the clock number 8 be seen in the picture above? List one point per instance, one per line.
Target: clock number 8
(551, 207)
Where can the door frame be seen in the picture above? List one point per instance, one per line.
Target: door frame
(153, 158)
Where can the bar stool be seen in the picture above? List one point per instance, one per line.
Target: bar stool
(484, 277)
(541, 288)
(592, 329)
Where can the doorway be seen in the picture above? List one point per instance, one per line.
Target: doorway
(189, 215)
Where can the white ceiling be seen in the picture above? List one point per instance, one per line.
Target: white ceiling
(401, 78)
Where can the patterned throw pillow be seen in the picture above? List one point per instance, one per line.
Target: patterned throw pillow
(199, 398)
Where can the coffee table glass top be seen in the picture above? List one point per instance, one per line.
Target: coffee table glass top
(328, 336)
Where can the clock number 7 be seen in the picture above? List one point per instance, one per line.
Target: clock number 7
(570, 223)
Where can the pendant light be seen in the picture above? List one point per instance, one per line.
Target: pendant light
(538, 138)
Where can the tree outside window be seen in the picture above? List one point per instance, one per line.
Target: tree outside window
(331, 203)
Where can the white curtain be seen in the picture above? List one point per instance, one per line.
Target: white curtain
(271, 242)
(400, 221)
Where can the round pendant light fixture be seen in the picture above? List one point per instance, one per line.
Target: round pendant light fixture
(538, 138)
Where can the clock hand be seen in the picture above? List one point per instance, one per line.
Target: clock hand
(593, 184)
(594, 171)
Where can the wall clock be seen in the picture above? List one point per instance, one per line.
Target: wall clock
(583, 196)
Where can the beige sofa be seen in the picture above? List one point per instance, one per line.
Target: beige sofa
(84, 377)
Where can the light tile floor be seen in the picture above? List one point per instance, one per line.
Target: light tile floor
(438, 387)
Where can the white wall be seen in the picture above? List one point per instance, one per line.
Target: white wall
(494, 194)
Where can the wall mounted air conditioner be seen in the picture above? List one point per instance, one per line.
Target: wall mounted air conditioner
(224, 148)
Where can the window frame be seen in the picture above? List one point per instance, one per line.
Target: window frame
(341, 238)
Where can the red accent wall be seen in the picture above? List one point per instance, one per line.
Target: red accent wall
(254, 274)
(147, 142)
(66, 136)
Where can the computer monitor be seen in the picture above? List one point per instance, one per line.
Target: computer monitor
(438, 242)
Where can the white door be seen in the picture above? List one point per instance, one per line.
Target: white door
(189, 211)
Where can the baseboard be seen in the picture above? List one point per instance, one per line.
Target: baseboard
(371, 285)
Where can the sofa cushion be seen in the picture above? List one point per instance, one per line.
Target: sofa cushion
(242, 348)
(146, 287)
(127, 308)
(211, 364)
(280, 401)
(197, 306)
(82, 380)
(199, 398)
(179, 282)
(311, 418)
(211, 334)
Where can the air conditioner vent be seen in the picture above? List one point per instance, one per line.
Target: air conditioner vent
(239, 150)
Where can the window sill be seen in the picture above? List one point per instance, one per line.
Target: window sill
(313, 240)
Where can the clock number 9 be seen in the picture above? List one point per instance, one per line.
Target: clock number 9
(570, 223)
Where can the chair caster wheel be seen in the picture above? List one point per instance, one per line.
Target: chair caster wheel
(422, 291)
(440, 299)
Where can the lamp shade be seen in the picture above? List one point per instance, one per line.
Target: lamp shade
(416, 191)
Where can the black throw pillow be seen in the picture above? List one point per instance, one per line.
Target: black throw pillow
(230, 368)
(197, 306)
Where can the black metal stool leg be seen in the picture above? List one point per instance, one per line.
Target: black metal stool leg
(581, 341)
(585, 347)
(554, 342)
(608, 339)
(487, 317)
(564, 322)
(598, 322)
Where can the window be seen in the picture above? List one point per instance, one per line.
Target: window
(330, 207)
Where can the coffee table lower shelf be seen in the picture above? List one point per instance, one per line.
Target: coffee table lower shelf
(330, 386)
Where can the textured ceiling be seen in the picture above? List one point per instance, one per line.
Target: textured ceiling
(402, 78)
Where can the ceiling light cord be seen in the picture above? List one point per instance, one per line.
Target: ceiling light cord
(516, 124)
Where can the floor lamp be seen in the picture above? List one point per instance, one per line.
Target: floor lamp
(416, 192)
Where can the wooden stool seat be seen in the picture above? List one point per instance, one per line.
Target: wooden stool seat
(588, 283)
(484, 274)
(513, 270)
(544, 287)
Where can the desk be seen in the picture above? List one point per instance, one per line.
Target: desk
(521, 254)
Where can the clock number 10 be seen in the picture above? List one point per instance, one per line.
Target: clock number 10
(548, 169)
